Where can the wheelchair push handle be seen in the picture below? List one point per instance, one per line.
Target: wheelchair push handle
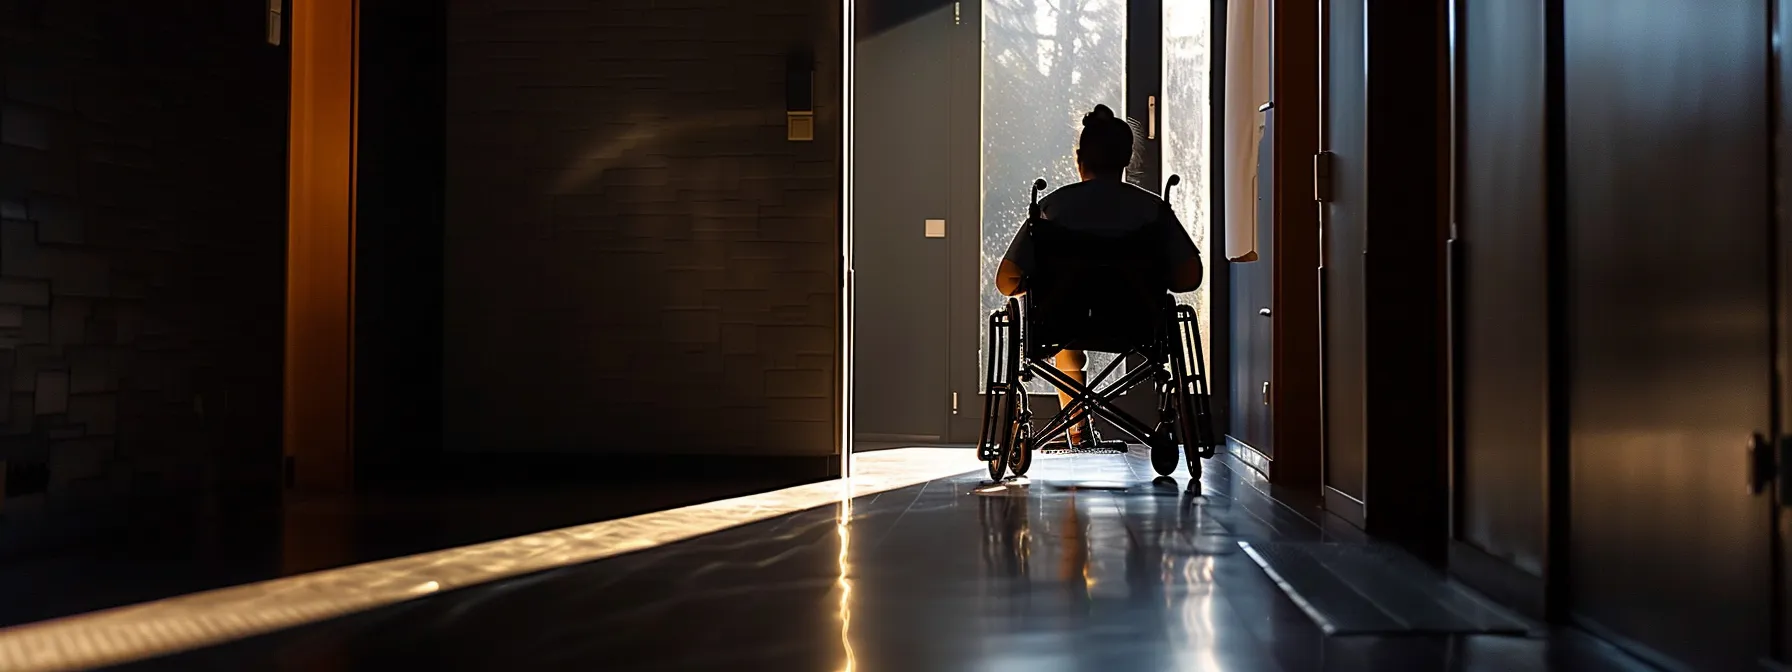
(1170, 184)
(1033, 208)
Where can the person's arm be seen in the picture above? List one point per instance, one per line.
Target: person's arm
(1008, 279)
(1182, 258)
(1012, 271)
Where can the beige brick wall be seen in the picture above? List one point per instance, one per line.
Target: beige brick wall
(636, 258)
(142, 239)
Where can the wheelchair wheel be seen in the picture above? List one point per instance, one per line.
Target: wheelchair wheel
(1003, 414)
(1188, 397)
(1163, 456)
(1021, 459)
(1000, 431)
(1188, 433)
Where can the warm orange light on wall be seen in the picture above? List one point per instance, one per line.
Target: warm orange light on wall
(320, 244)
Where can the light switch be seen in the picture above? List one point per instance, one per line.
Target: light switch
(936, 228)
(799, 126)
(276, 10)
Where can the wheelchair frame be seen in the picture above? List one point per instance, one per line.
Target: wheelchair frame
(1175, 363)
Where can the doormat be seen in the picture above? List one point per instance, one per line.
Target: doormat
(1369, 589)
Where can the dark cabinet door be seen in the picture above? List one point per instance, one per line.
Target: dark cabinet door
(1666, 114)
(1502, 297)
(1253, 333)
(1263, 292)
(1252, 352)
(1342, 265)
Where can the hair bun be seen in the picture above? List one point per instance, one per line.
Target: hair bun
(1101, 113)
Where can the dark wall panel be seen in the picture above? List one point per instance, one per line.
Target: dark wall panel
(398, 237)
(1407, 475)
(1384, 246)
(1504, 341)
(1667, 130)
(636, 259)
(142, 247)
(1344, 240)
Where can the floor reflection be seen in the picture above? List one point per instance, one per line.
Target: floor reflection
(1090, 565)
(843, 527)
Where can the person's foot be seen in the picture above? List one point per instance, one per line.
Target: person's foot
(1083, 436)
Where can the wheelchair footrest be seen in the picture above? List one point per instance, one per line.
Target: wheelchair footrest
(1110, 447)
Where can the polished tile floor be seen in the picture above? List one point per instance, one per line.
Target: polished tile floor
(207, 550)
(1089, 565)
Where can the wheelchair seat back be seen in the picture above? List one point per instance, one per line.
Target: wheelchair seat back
(1088, 291)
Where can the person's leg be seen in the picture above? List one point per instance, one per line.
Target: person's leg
(1071, 362)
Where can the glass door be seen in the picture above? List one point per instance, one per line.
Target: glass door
(1043, 64)
(1046, 63)
(1186, 132)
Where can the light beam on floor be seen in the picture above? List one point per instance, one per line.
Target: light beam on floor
(162, 627)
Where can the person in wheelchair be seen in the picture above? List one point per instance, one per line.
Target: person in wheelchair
(1104, 205)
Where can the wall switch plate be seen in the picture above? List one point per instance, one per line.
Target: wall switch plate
(276, 16)
(799, 126)
(936, 228)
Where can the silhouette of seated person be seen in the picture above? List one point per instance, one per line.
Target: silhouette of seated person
(1104, 205)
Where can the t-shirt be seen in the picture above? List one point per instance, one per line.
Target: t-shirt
(1108, 207)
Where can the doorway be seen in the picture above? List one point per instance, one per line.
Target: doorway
(940, 189)
(1038, 68)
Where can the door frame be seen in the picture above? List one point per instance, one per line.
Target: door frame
(1295, 350)
(1779, 68)
(319, 350)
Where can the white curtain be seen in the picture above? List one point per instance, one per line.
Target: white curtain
(1247, 88)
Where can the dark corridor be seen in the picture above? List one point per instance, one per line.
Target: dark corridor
(498, 334)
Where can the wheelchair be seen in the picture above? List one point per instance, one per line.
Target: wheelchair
(1096, 294)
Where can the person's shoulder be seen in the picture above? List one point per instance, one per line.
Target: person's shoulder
(1143, 195)
(1107, 192)
(1069, 192)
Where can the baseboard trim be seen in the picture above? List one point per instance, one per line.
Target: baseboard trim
(1251, 457)
(1499, 580)
(897, 438)
(1349, 508)
(1630, 646)
(531, 469)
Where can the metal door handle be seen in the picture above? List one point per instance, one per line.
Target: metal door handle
(1264, 312)
(1151, 117)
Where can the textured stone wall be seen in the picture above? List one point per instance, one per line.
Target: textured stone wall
(142, 237)
(637, 260)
